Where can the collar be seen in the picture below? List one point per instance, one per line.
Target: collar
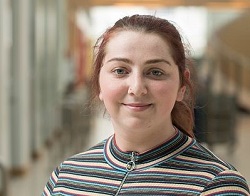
(164, 152)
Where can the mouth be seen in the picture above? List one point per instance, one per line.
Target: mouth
(137, 106)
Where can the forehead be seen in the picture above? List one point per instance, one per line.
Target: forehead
(124, 35)
(130, 40)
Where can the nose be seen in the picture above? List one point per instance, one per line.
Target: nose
(137, 85)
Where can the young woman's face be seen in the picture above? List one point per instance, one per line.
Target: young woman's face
(139, 82)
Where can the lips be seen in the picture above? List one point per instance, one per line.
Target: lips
(137, 106)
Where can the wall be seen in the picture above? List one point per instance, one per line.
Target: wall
(33, 45)
(5, 41)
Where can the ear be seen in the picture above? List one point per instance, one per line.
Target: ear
(181, 93)
(100, 96)
(182, 89)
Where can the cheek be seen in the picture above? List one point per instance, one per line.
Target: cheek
(108, 94)
(111, 97)
(166, 94)
(110, 91)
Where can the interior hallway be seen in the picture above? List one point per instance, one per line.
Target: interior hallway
(33, 182)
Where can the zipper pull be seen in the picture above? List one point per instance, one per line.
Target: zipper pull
(131, 163)
(130, 166)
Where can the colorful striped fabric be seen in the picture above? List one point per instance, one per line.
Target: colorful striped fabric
(181, 166)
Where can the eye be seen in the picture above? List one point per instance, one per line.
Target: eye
(156, 74)
(120, 71)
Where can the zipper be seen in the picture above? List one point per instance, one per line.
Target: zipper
(129, 167)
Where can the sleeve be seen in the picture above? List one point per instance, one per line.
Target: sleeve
(51, 184)
(227, 183)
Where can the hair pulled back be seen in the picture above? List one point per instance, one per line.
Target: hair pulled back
(182, 113)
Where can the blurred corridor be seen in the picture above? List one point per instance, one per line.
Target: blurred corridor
(45, 66)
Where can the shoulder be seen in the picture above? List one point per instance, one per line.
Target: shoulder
(204, 159)
(75, 166)
(225, 183)
(94, 153)
(222, 177)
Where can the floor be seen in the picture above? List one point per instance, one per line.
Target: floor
(33, 182)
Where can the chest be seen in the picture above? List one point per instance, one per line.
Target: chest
(108, 181)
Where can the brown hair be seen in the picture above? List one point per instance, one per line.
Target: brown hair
(182, 113)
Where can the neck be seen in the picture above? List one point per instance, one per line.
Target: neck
(143, 141)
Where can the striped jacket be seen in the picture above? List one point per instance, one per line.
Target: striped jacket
(181, 166)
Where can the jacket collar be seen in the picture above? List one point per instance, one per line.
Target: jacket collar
(171, 148)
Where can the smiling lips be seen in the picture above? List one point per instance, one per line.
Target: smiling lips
(137, 106)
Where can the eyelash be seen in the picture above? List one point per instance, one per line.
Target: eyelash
(156, 73)
(118, 71)
(153, 73)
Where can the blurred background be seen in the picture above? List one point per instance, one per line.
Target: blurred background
(45, 66)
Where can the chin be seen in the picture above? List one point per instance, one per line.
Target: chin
(136, 124)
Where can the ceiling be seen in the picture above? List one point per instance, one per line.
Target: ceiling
(164, 3)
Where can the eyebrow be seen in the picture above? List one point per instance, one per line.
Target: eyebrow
(121, 60)
(152, 61)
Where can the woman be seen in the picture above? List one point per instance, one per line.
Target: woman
(141, 75)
